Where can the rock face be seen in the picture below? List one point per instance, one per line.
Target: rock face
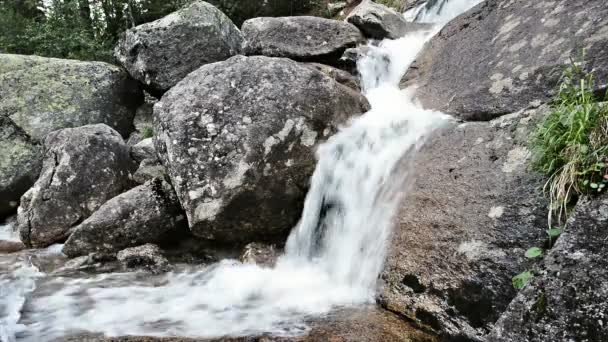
(141, 215)
(147, 256)
(45, 94)
(378, 21)
(20, 163)
(568, 300)
(503, 56)
(160, 53)
(237, 138)
(144, 150)
(309, 39)
(83, 167)
(472, 212)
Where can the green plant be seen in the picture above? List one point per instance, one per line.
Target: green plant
(571, 144)
(520, 280)
(147, 132)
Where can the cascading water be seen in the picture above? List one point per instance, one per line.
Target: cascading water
(332, 257)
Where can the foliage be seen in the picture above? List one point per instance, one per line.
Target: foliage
(533, 252)
(522, 279)
(147, 132)
(571, 144)
(89, 29)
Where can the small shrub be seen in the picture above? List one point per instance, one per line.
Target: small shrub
(571, 145)
(147, 132)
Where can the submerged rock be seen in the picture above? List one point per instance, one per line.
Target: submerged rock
(238, 139)
(568, 299)
(379, 22)
(309, 39)
(147, 256)
(45, 94)
(143, 214)
(260, 254)
(463, 228)
(20, 164)
(501, 57)
(83, 167)
(7, 246)
(160, 53)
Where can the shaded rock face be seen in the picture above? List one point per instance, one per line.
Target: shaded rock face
(147, 256)
(83, 167)
(143, 214)
(7, 246)
(462, 231)
(160, 53)
(502, 56)
(238, 138)
(567, 300)
(45, 94)
(309, 39)
(20, 164)
(144, 150)
(378, 21)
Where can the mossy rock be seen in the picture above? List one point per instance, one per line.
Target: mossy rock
(41, 95)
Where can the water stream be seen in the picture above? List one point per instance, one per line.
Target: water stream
(332, 258)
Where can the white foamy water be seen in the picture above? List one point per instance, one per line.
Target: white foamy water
(332, 258)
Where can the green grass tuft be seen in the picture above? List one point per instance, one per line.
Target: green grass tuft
(571, 145)
(147, 132)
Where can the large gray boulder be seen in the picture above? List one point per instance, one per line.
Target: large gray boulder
(141, 215)
(45, 94)
(309, 39)
(160, 53)
(568, 298)
(238, 139)
(20, 163)
(464, 226)
(503, 56)
(83, 167)
(379, 22)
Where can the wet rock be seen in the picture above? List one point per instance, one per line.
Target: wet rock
(501, 57)
(160, 53)
(406, 5)
(568, 298)
(147, 256)
(473, 210)
(20, 164)
(379, 22)
(260, 254)
(144, 150)
(7, 246)
(238, 139)
(143, 214)
(351, 58)
(308, 39)
(83, 167)
(341, 76)
(45, 94)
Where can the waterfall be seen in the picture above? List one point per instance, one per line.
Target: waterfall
(332, 258)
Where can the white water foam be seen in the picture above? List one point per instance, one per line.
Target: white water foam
(332, 258)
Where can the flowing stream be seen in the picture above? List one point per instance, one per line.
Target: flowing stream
(332, 258)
